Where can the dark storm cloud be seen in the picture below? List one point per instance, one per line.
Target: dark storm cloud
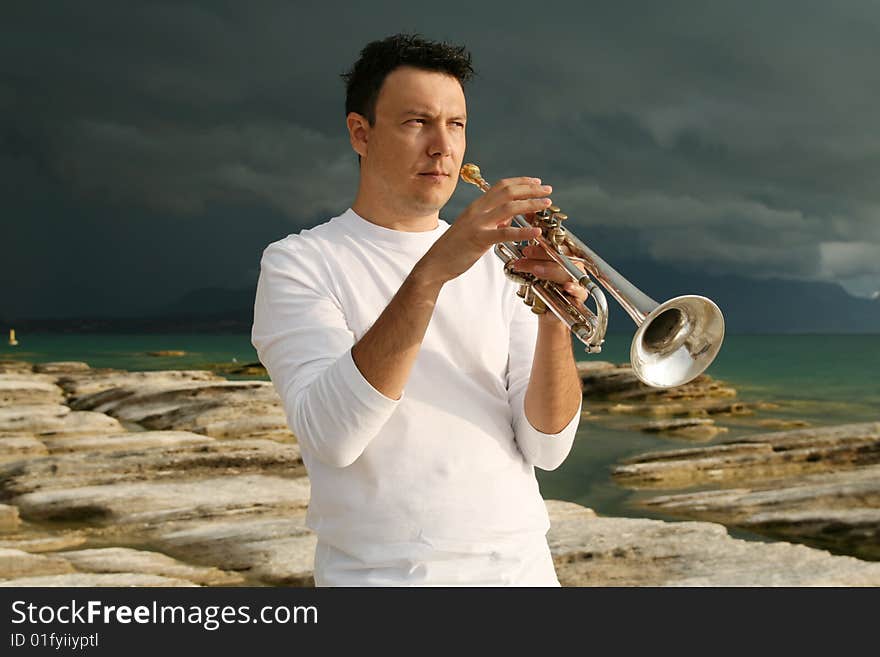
(726, 137)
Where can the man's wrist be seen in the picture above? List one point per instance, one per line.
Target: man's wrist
(551, 323)
(426, 277)
(421, 288)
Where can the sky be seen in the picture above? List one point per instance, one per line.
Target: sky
(148, 149)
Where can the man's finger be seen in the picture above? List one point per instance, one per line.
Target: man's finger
(516, 192)
(514, 234)
(503, 214)
(544, 269)
(506, 183)
(535, 252)
(579, 292)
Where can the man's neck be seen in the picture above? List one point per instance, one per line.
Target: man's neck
(382, 215)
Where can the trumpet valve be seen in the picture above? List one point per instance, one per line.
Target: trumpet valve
(533, 301)
(542, 217)
(520, 278)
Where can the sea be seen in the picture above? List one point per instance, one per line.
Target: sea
(819, 379)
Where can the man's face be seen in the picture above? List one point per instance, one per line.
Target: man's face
(417, 142)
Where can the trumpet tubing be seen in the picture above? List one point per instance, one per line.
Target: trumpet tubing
(675, 341)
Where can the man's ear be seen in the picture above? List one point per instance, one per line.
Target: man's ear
(358, 132)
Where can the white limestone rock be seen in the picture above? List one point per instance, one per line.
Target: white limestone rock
(756, 458)
(22, 390)
(693, 428)
(838, 510)
(94, 580)
(17, 563)
(847, 489)
(61, 367)
(81, 386)
(274, 550)
(155, 502)
(9, 519)
(852, 531)
(9, 366)
(41, 541)
(134, 403)
(225, 409)
(182, 459)
(620, 383)
(49, 420)
(121, 442)
(590, 550)
(15, 448)
(128, 560)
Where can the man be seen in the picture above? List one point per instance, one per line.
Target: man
(422, 391)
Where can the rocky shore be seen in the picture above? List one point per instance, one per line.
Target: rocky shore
(185, 478)
(817, 486)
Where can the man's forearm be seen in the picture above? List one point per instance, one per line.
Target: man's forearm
(554, 391)
(386, 353)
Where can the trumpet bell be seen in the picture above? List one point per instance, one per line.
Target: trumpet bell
(677, 341)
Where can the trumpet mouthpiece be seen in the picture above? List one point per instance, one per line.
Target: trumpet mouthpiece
(470, 173)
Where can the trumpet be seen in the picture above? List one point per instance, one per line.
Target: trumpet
(675, 341)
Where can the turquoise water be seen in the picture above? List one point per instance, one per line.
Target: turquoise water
(129, 352)
(823, 380)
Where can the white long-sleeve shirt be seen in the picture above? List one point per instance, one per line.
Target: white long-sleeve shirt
(449, 465)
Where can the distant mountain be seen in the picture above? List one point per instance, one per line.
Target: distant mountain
(760, 306)
(749, 306)
(207, 310)
(131, 325)
(211, 301)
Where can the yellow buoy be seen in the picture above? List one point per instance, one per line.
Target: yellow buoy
(12, 340)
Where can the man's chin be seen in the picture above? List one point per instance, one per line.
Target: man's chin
(431, 203)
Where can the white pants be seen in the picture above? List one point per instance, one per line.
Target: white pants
(529, 565)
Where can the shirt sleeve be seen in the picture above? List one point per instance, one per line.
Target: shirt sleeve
(303, 340)
(543, 450)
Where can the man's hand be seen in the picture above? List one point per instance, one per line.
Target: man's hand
(484, 222)
(540, 265)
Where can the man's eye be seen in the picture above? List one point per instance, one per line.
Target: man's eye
(416, 120)
(458, 124)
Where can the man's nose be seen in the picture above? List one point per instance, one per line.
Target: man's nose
(441, 142)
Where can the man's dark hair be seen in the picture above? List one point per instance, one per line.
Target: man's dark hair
(379, 58)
